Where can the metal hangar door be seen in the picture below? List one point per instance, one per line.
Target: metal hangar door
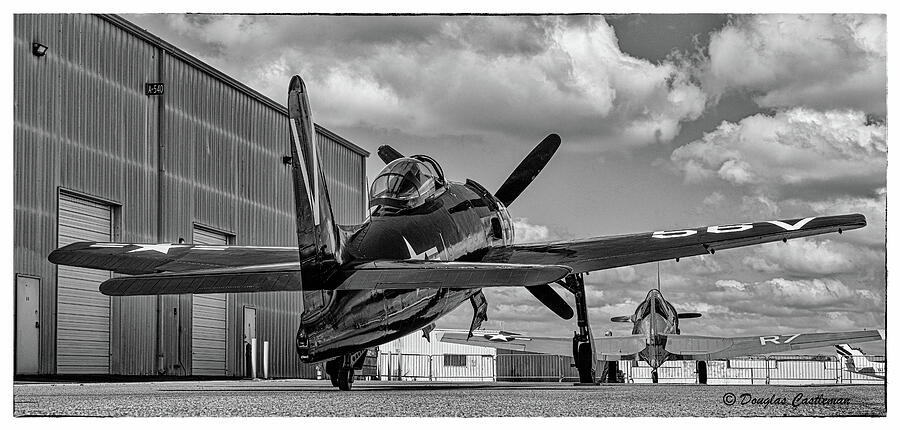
(82, 312)
(208, 324)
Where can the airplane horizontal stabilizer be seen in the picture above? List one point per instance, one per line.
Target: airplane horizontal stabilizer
(246, 279)
(687, 315)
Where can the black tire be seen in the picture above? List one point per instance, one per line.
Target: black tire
(345, 380)
(655, 376)
(701, 372)
(612, 372)
(333, 370)
(585, 363)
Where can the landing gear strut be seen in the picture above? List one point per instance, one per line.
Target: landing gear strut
(583, 342)
(341, 370)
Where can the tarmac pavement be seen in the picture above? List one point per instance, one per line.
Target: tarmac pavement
(303, 398)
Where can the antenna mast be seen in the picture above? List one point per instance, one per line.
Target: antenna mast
(658, 286)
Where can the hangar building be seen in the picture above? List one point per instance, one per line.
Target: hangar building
(103, 152)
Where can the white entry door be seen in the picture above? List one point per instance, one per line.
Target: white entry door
(28, 328)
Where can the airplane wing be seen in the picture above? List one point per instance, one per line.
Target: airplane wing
(405, 275)
(608, 347)
(543, 345)
(141, 259)
(709, 348)
(200, 269)
(600, 253)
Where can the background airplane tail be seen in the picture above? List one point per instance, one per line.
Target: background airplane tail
(317, 234)
(847, 352)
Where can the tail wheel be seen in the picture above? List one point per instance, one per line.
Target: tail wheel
(655, 376)
(345, 379)
(701, 372)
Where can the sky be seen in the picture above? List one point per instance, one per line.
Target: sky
(666, 121)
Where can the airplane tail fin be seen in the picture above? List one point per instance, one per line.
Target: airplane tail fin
(847, 352)
(317, 234)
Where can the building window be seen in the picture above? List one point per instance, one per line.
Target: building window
(457, 360)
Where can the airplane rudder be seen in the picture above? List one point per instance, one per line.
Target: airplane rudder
(315, 220)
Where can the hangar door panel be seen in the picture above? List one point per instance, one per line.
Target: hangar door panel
(82, 313)
(208, 320)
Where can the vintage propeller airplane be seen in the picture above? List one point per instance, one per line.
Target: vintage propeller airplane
(429, 245)
(656, 338)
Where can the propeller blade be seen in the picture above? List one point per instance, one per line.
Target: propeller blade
(552, 300)
(686, 315)
(626, 318)
(388, 154)
(528, 169)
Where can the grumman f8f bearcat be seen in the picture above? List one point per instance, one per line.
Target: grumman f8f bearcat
(656, 338)
(429, 245)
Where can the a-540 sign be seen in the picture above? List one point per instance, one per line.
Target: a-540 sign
(154, 88)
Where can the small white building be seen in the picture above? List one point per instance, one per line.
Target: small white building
(414, 358)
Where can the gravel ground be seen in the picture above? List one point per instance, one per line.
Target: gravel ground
(402, 399)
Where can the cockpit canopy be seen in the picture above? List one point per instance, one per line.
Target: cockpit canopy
(405, 183)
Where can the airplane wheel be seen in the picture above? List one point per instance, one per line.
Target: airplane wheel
(333, 369)
(345, 379)
(584, 363)
(701, 372)
(612, 371)
(655, 376)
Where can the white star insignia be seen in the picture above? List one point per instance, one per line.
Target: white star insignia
(504, 337)
(162, 248)
(426, 255)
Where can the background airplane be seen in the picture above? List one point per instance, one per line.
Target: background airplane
(429, 245)
(656, 338)
(856, 361)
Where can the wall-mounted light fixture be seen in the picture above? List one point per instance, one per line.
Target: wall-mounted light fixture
(38, 49)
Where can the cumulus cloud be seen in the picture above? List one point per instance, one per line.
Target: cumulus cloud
(820, 61)
(526, 232)
(793, 152)
(507, 76)
(780, 296)
(809, 257)
(874, 208)
(731, 283)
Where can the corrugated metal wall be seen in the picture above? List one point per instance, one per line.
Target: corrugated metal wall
(208, 152)
(82, 124)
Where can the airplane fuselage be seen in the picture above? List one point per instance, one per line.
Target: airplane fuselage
(459, 223)
(654, 317)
